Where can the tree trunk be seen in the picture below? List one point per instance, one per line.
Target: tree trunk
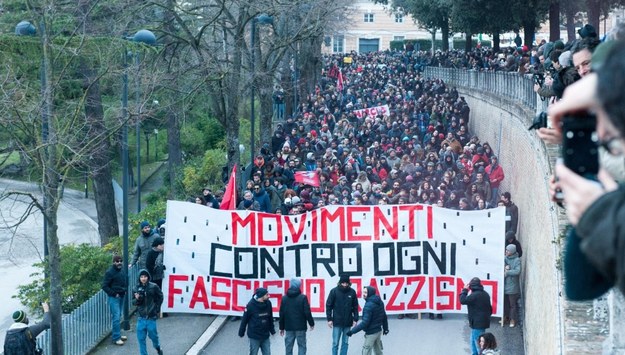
(529, 30)
(445, 33)
(51, 187)
(98, 163)
(496, 40)
(265, 113)
(594, 12)
(570, 23)
(468, 43)
(554, 21)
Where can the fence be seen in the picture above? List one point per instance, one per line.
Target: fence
(87, 325)
(513, 86)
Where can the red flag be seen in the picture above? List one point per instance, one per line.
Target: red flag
(307, 178)
(229, 202)
(339, 81)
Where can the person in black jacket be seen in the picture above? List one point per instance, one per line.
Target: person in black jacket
(294, 313)
(148, 299)
(115, 285)
(342, 313)
(480, 309)
(258, 319)
(20, 338)
(374, 322)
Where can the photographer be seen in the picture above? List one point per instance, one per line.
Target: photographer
(562, 76)
(148, 299)
(596, 210)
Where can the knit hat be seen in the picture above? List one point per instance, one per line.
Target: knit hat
(260, 292)
(145, 224)
(296, 283)
(158, 241)
(511, 248)
(19, 316)
(475, 282)
(344, 278)
(160, 222)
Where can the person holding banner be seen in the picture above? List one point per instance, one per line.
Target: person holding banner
(342, 313)
(258, 320)
(374, 322)
(479, 309)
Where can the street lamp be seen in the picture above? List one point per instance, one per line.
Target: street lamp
(262, 19)
(145, 37)
(25, 28)
(142, 36)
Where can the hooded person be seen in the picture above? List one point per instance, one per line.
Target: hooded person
(341, 313)
(20, 337)
(147, 296)
(294, 314)
(143, 244)
(374, 322)
(258, 321)
(479, 310)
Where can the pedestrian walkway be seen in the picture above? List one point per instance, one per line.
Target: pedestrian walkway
(177, 333)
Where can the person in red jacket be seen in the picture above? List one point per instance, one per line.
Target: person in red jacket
(496, 176)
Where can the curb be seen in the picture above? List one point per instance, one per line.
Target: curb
(208, 335)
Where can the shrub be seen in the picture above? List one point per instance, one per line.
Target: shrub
(82, 269)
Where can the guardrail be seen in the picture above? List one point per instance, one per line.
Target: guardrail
(86, 326)
(512, 86)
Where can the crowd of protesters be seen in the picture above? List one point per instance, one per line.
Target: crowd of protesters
(418, 149)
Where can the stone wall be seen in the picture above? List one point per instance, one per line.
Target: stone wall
(524, 158)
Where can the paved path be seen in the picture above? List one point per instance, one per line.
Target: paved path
(22, 246)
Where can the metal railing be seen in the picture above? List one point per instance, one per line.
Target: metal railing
(512, 86)
(86, 326)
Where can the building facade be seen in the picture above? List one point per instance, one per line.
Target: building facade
(371, 27)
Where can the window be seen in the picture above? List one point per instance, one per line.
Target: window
(369, 17)
(338, 42)
(399, 18)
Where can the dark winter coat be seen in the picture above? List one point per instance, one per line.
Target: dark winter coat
(373, 314)
(263, 200)
(295, 311)
(114, 283)
(258, 319)
(478, 305)
(151, 298)
(342, 307)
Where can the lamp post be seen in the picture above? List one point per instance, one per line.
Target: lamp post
(143, 37)
(262, 19)
(25, 28)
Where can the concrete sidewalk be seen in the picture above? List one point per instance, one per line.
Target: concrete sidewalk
(177, 334)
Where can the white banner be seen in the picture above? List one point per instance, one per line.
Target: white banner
(373, 111)
(418, 257)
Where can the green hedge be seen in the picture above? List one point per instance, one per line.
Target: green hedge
(426, 44)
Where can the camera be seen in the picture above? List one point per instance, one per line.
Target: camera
(580, 151)
(540, 121)
(538, 79)
(141, 292)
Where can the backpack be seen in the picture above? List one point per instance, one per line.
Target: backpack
(20, 342)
